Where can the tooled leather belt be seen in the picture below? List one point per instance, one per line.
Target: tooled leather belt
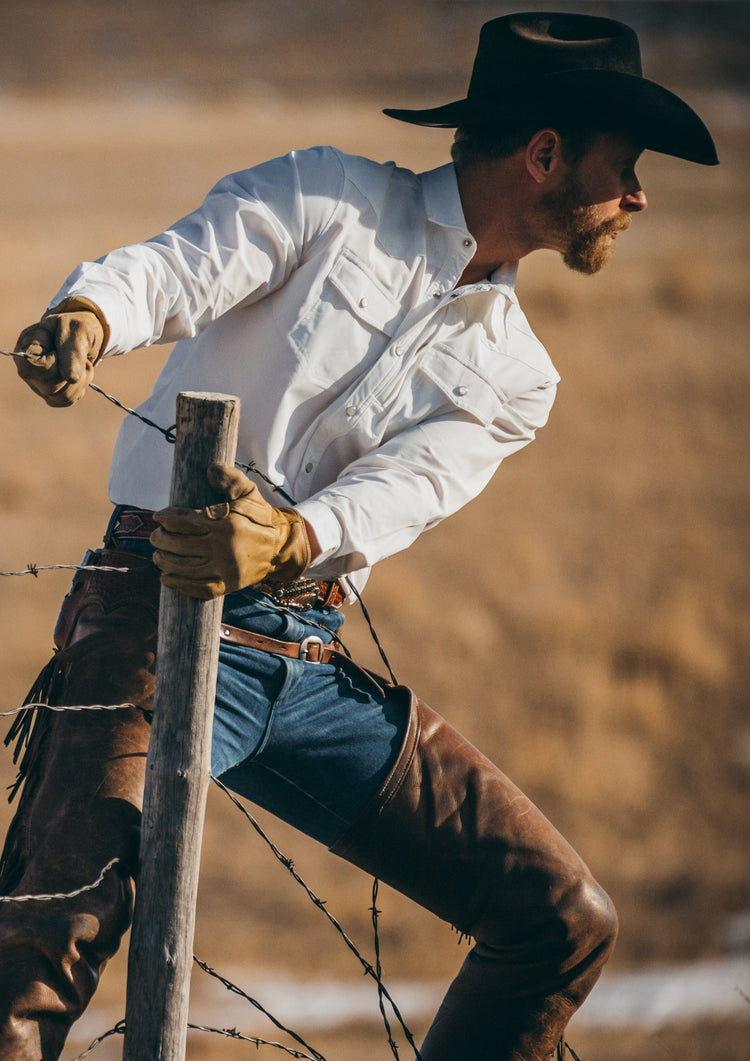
(137, 524)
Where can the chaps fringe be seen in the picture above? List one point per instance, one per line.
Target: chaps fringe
(29, 730)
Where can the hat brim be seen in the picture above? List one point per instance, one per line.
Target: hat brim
(659, 119)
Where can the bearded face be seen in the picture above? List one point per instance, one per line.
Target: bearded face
(585, 242)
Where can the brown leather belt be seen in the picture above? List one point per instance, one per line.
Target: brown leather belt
(137, 524)
(311, 649)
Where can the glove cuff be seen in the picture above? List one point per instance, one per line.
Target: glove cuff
(295, 554)
(78, 302)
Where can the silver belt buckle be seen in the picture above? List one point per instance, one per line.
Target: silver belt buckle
(304, 648)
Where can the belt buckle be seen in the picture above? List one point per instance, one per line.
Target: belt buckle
(304, 648)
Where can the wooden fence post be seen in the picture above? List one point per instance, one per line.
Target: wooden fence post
(178, 764)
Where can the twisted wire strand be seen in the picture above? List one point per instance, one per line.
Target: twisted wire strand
(119, 1029)
(235, 990)
(34, 569)
(379, 968)
(230, 1033)
(321, 905)
(61, 895)
(168, 432)
(74, 707)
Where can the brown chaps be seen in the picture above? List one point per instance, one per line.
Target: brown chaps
(447, 829)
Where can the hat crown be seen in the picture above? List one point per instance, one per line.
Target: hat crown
(552, 67)
(526, 46)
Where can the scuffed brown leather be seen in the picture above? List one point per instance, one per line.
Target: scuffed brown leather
(80, 808)
(452, 832)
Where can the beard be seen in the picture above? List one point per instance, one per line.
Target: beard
(586, 245)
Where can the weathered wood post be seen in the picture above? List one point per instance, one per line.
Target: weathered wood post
(178, 764)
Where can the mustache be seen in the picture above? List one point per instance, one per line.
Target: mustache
(617, 224)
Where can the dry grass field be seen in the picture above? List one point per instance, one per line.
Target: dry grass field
(585, 621)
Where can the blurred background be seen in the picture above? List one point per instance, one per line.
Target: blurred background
(585, 621)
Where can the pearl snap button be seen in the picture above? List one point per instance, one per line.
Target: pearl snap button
(461, 391)
(398, 350)
(436, 294)
(363, 302)
(351, 410)
(468, 242)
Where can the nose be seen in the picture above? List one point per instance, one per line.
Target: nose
(634, 201)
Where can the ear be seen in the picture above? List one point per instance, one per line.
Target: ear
(544, 155)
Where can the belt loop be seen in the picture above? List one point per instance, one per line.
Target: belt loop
(114, 519)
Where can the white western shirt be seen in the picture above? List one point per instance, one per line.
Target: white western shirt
(321, 289)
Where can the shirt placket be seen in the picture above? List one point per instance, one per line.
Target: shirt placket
(355, 409)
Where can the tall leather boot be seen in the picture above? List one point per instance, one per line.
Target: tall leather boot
(79, 810)
(450, 831)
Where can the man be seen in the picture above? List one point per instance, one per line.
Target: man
(366, 316)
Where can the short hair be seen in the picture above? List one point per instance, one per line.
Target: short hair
(472, 143)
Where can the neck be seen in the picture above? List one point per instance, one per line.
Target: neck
(495, 215)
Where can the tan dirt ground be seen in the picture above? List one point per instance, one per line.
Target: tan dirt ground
(585, 621)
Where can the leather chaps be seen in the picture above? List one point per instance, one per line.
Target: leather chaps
(448, 829)
(80, 807)
(453, 833)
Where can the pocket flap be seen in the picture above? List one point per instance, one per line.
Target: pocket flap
(366, 298)
(463, 384)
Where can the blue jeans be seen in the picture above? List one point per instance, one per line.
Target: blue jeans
(309, 742)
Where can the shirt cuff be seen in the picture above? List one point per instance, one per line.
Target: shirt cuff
(327, 531)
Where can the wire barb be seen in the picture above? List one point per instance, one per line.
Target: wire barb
(232, 1033)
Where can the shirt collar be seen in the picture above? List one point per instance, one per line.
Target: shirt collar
(441, 199)
(443, 207)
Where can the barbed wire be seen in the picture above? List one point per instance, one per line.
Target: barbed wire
(119, 1029)
(34, 569)
(235, 990)
(75, 707)
(230, 1033)
(321, 905)
(61, 895)
(168, 432)
(373, 972)
(378, 967)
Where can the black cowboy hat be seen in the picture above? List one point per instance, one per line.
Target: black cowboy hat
(568, 68)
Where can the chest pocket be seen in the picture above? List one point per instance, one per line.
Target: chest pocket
(463, 384)
(348, 326)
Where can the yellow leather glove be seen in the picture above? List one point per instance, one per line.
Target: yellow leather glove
(57, 355)
(216, 550)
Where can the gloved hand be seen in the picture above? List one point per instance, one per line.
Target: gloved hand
(57, 355)
(216, 550)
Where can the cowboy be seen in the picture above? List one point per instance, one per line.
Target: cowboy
(366, 316)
